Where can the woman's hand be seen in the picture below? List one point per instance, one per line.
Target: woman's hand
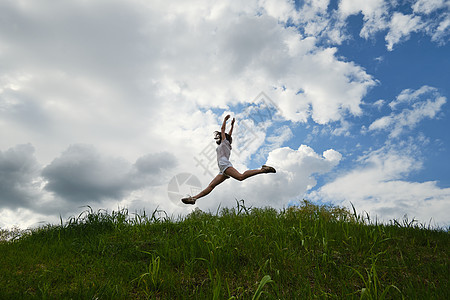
(232, 121)
(227, 117)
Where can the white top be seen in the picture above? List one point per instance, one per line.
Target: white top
(223, 151)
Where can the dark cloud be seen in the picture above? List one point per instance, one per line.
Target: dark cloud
(18, 170)
(155, 163)
(82, 175)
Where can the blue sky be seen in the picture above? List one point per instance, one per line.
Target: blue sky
(414, 63)
(105, 103)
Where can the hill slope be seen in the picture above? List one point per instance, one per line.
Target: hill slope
(240, 253)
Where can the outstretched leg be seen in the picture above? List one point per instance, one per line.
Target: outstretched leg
(232, 172)
(215, 182)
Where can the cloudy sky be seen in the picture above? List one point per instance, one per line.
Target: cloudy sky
(114, 103)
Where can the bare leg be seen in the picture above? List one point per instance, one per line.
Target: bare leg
(215, 182)
(249, 173)
(232, 172)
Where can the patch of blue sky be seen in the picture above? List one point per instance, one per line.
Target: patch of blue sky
(413, 64)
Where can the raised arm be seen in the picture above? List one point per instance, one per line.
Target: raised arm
(232, 126)
(224, 125)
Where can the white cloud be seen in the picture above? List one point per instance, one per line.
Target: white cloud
(158, 52)
(343, 130)
(295, 175)
(409, 95)
(296, 171)
(438, 18)
(25, 218)
(283, 10)
(382, 123)
(428, 6)
(427, 102)
(315, 20)
(379, 103)
(367, 7)
(430, 17)
(380, 187)
(400, 28)
(374, 14)
(442, 30)
(281, 135)
(326, 90)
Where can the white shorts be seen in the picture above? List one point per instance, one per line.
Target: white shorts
(223, 165)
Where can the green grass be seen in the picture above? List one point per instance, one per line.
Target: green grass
(240, 253)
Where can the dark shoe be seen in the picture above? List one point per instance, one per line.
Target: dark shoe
(268, 169)
(188, 200)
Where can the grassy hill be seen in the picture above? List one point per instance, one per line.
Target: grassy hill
(241, 253)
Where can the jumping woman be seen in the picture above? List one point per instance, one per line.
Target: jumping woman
(226, 169)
